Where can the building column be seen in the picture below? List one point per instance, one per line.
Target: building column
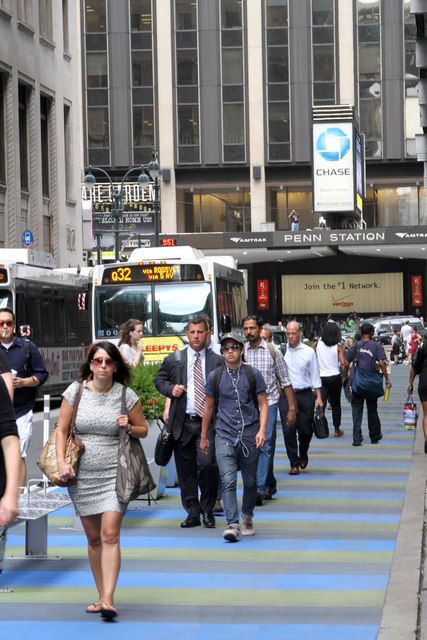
(165, 110)
(13, 182)
(256, 113)
(347, 63)
(35, 200)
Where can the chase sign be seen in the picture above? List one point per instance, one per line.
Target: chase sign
(333, 167)
(333, 144)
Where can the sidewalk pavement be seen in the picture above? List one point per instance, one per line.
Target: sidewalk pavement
(337, 554)
(405, 606)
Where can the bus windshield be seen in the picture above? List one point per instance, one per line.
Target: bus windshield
(164, 309)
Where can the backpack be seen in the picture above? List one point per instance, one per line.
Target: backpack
(251, 380)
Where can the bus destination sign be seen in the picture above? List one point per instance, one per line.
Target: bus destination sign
(152, 273)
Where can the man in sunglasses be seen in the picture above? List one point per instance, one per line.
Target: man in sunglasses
(29, 372)
(183, 381)
(238, 392)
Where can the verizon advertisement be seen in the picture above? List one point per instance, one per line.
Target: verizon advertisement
(363, 293)
(333, 167)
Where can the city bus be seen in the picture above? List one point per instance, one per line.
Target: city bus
(51, 308)
(165, 287)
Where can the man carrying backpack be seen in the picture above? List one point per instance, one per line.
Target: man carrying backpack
(268, 358)
(236, 392)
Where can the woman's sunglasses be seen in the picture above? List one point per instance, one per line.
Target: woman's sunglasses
(97, 362)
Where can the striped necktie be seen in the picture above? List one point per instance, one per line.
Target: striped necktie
(199, 386)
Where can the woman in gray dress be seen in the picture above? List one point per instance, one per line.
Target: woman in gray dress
(98, 421)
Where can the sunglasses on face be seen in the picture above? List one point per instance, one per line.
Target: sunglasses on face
(231, 347)
(97, 362)
(7, 323)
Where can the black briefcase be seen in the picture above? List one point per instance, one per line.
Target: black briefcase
(164, 445)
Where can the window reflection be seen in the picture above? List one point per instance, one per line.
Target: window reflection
(369, 68)
(176, 304)
(281, 201)
(206, 210)
(323, 51)
(113, 306)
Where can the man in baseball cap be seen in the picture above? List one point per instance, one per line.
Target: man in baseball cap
(238, 391)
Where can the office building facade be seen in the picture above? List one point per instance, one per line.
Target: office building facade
(40, 120)
(224, 90)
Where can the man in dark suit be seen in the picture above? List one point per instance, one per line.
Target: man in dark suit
(194, 468)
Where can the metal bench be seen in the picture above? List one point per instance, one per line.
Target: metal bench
(35, 504)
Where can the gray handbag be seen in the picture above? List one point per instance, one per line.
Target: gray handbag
(133, 475)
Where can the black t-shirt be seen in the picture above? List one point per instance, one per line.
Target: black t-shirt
(7, 428)
(4, 364)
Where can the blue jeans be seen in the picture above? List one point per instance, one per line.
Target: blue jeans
(264, 474)
(230, 460)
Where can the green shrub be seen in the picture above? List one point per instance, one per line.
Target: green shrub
(142, 382)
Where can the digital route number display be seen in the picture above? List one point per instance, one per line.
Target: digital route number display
(152, 273)
(3, 276)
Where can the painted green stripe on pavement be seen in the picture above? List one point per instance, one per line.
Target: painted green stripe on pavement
(211, 597)
(150, 523)
(230, 554)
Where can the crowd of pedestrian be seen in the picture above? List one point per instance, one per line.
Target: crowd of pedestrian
(222, 406)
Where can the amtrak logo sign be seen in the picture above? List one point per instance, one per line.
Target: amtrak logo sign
(333, 144)
(333, 167)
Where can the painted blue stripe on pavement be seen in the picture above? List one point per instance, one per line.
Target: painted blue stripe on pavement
(10, 630)
(200, 580)
(193, 542)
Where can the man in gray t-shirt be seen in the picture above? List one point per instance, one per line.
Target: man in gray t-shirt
(239, 393)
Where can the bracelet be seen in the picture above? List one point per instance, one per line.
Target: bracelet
(129, 429)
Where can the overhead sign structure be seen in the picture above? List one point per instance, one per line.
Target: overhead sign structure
(339, 294)
(338, 168)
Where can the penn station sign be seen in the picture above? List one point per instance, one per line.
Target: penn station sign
(346, 237)
(296, 239)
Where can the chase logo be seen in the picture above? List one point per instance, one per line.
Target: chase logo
(333, 144)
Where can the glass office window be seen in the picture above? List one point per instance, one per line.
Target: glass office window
(208, 210)
(233, 82)
(370, 74)
(277, 76)
(140, 15)
(323, 51)
(95, 16)
(141, 44)
(187, 81)
(280, 202)
(97, 82)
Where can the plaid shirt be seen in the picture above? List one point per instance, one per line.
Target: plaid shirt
(272, 371)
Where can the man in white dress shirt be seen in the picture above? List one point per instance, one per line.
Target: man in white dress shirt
(304, 372)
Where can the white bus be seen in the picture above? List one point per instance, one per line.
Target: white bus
(164, 287)
(53, 306)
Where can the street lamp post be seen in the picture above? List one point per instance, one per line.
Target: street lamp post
(153, 170)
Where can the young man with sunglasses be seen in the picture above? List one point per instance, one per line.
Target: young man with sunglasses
(29, 372)
(238, 396)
